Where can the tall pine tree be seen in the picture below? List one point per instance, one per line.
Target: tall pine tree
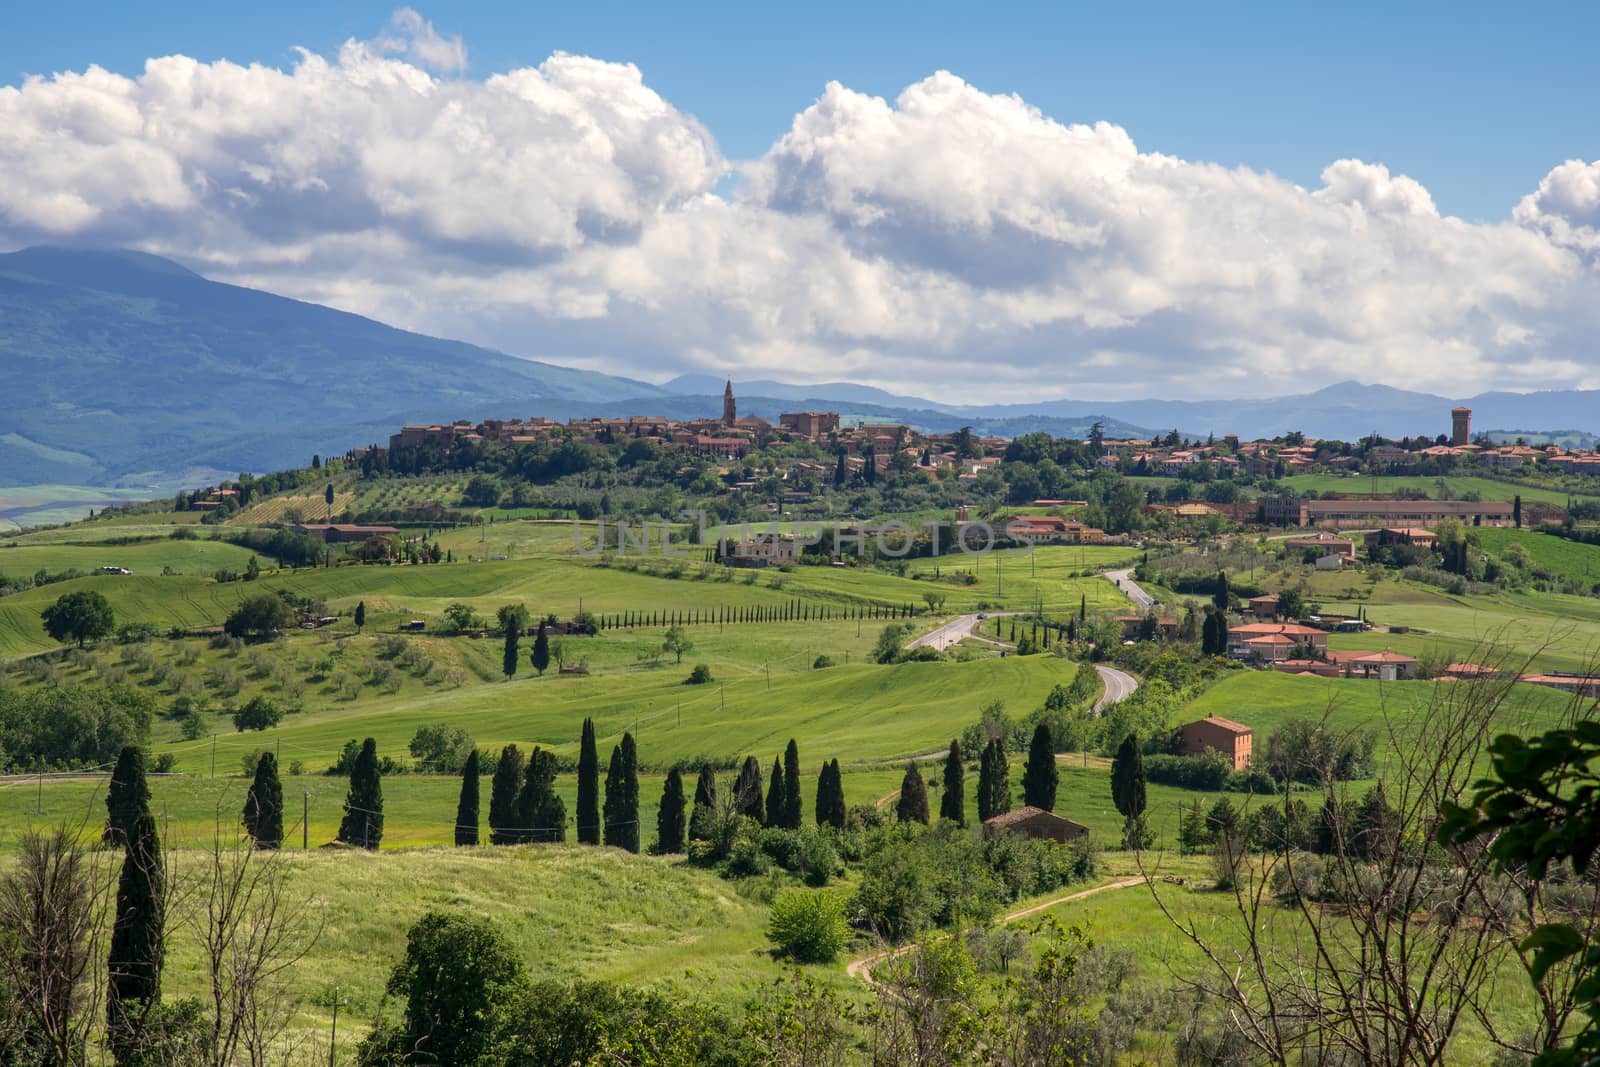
(836, 813)
(622, 797)
(362, 825)
(540, 657)
(508, 656)
(775, 794)
(503, 797)
(127, 797)
(138, 940)
(747, 790)
(263, 804)
(913, 805)
(669, 817)
(705, 804)
(994, 783)
(467, 806)
(588, 787)
(540, 813)
(1127, 789)
(1041, 777)
(953, 798)
(791, 786)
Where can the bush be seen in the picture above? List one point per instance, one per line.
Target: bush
(1209, 771)
(699, 676)
(821, 662)
(808, 926)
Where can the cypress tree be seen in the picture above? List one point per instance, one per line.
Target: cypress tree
(503, 796)
(837, 814)
(127, 797)
(669, 818)
(791, 786)
(138, 945)
(363, 805)
(588, 787)
(263, 804)
(913, 805)
(747, 790)
(361, 616)
(705, 802)
(824, 806)
(541, 815)
(622, 797)
(994, 783)
(1220, 599)
(775, 794)
(1041, 777)
(508, 659)
(953, 800)
(467, 806)
(1127, 787)
(540, 657)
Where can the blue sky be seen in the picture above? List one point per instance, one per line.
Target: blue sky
(1198, 200)
(1476, 102)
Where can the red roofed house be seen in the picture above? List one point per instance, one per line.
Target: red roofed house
(1239, 637)
(1216, 734)
(1035, 823)
(343, 531)
(1385, 666)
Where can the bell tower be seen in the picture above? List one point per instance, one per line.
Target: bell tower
(730, 413)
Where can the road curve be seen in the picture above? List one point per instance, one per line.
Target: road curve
(953, 632)
(1123, 580)
(1119, 686)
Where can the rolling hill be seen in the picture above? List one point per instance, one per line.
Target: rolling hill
(136, 368)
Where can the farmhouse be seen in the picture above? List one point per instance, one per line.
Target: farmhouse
(767, 551)
(1263, 607)
(1401, 535)
(1035, 823)
(1354, 514)
(1240, 638)
(1385, 666)
(1216, 734)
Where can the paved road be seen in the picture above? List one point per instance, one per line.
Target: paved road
(1119, 686)
(1123, 580)
(953, 632)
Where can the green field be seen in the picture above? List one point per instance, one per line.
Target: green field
(1458, 485)
(1570, 559)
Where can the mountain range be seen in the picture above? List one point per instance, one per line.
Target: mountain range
(125, 368)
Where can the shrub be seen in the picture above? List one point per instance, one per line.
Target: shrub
(260, 713)
(808, 926)
(699, 676)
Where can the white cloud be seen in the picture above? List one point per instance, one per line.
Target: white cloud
(950, 241)
(415, 38)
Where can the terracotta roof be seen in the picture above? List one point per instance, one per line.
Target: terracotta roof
(1024, 814)
(1292, 629)
(1226, 724)
(1271, 639)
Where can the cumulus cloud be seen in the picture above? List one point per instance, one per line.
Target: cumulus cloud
(950, 241)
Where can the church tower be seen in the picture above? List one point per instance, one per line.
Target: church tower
(730, 413)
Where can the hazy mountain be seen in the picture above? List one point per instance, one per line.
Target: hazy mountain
(120, 364)
(1346, 410)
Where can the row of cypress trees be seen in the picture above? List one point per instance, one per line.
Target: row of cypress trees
(1039, 782)
(791, 611)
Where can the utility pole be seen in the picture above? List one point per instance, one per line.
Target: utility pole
(213, 757)
(305, 821)
(333, 1040)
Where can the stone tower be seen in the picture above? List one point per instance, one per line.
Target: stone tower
(1460, 426)
(730, 413)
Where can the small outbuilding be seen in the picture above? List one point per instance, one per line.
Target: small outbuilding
(1035, 823)
(1216, 734)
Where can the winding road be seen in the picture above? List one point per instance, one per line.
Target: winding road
(955, 631)
(1119, 686)
(1123, 580)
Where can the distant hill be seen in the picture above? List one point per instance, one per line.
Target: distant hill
(126, 369)
(1346, 410)
(124, 366)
